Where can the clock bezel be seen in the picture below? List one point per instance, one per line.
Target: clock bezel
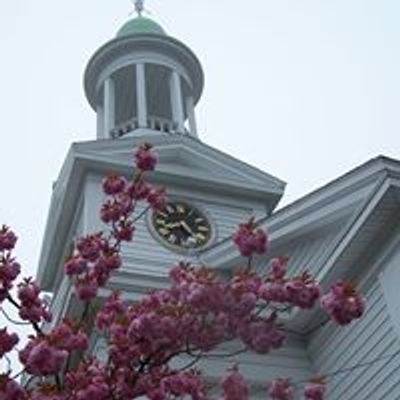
(177, 248)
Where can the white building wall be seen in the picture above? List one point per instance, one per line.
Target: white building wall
(374, 337)
(146, 253)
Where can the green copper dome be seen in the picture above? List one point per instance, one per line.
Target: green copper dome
(140, 25)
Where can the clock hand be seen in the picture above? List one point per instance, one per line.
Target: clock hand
(186, 227)
(173, 225)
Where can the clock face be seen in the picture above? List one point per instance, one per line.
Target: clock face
(182, 225)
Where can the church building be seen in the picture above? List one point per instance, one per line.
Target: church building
(144, 85)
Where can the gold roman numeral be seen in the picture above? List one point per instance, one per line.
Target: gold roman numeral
(164, 231)
(180, 208)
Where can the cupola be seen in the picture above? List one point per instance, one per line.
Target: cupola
(144, 81)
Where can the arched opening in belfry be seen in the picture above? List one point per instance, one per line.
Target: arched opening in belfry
(125, 96)
(158, 93)
(187, 105)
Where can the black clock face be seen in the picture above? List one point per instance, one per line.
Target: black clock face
(182, 225)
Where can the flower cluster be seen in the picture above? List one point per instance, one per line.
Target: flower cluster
(146, 159)
(11, 390)
(88, 381)
(199, 311)
(91, 265)
(69, 336)
(250, 240)
(234, 386)
(181, 384)
(9, 271)
(7, 341)
(32, 308)
(46, 355)
(301, 291)
(8, 239)
(281, 389)
(41, 358)
(343, 303)
(315, 390)
(9, 268)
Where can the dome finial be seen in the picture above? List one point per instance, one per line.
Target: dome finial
(139, 6)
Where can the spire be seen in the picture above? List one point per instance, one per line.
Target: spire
(139, 7)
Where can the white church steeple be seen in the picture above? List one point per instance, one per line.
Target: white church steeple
(144, 81)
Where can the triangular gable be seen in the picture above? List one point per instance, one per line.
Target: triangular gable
(336, 203)
(184, 156)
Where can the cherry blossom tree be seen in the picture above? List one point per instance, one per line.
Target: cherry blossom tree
(198, 312)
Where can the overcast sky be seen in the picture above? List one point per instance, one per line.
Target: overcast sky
(303, 89)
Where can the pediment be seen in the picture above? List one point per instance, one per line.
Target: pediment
(184, 157)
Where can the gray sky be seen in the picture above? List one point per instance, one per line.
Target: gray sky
(303, 89)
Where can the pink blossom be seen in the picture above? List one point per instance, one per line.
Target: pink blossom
(89, 381)
(278, 267)
(75, 266)
(281, 389)
(250, 240)
(68, 337)
(9, 271)
(113, 184)
(11, 390)
(112, 308)
(234, 386)
(157, 199)
(32, 308)
(139, 190)
(343, 303)
(111, 211)
(8, 238)
(41, 359)
(48, 392)
(302, 291)
(124, 231)
(183, 383)
(145, 158)
(113, 261)
(315, 391)
(273, 291)
(90, 246)
(95, 390)
(86, 289)
(263, 334)
(7, 341)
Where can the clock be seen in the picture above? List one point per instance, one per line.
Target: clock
(182, 226)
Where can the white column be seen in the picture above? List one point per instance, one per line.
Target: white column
(109, 106)
(191, 115)
(100, 122)
(177, 101)
(141, 95)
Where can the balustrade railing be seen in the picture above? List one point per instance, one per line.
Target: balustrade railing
(154, 123)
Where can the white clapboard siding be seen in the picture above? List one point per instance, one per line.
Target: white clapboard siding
(305, 253)
(371, 338)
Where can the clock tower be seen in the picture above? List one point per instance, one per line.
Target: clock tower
(143, 86)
